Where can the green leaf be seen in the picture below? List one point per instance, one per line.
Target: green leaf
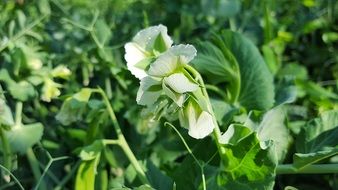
(6, 117)
(22, 137)
(234, 134)
(319, 133)
(22, 90)
(271, 126)
(240, 64)
(294, 71)
(317, 139)
(246, 165)
(286, 92)
(73, 107)
(102, 32)
(221, 8)
(330, 37)
(90, 152)
(85, 177)
(302, 160)
(316, 91)
(157, 179)
(271, 58)
(143, 187)
(211, 62)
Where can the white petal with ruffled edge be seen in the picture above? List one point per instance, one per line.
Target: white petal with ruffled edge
(146, 37)
(133, 56)
(186, 52)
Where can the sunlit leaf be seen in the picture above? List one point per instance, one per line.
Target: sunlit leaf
(73, 107)
(22, 137)
(256, 90)
(245, 164)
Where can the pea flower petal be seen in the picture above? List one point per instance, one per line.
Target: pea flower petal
(180, 83)
(134, 55)
(144, 46)
(176, 97)
(199, 123)
(171, 60)
(149, 91)
(153, 36)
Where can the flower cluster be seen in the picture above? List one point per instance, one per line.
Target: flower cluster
(161, 69)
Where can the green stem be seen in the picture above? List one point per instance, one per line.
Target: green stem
(232, 24)
(13, 176)
(201, 166)
(22, 33)
(68, 176)
(203, 179)
(18, 114)
(217, 131)
(122, 141)
(111, 142)
(34, 164)
(311, 169)
(218, 91)
(6, 150)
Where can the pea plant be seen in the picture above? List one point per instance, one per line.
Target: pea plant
(251, 148)
(84, 106)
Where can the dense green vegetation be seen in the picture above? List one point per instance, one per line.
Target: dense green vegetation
(265, 79)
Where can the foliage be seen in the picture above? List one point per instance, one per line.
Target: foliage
(253, 85)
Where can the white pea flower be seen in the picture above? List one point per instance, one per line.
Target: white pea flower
(199, 122)
(145, 46)
(167, 71)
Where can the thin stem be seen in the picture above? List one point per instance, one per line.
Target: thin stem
(185, 143)
(203, 179)
(13, 176)
(22, 33)
(311, 169)
(232, 24)
(111, 142)
(18, 113)
(68, 176)
(6, 150)
(217, 131)
(201, 166)
(217, 90)
(34, 164)
(122, 141)
(50, 162)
